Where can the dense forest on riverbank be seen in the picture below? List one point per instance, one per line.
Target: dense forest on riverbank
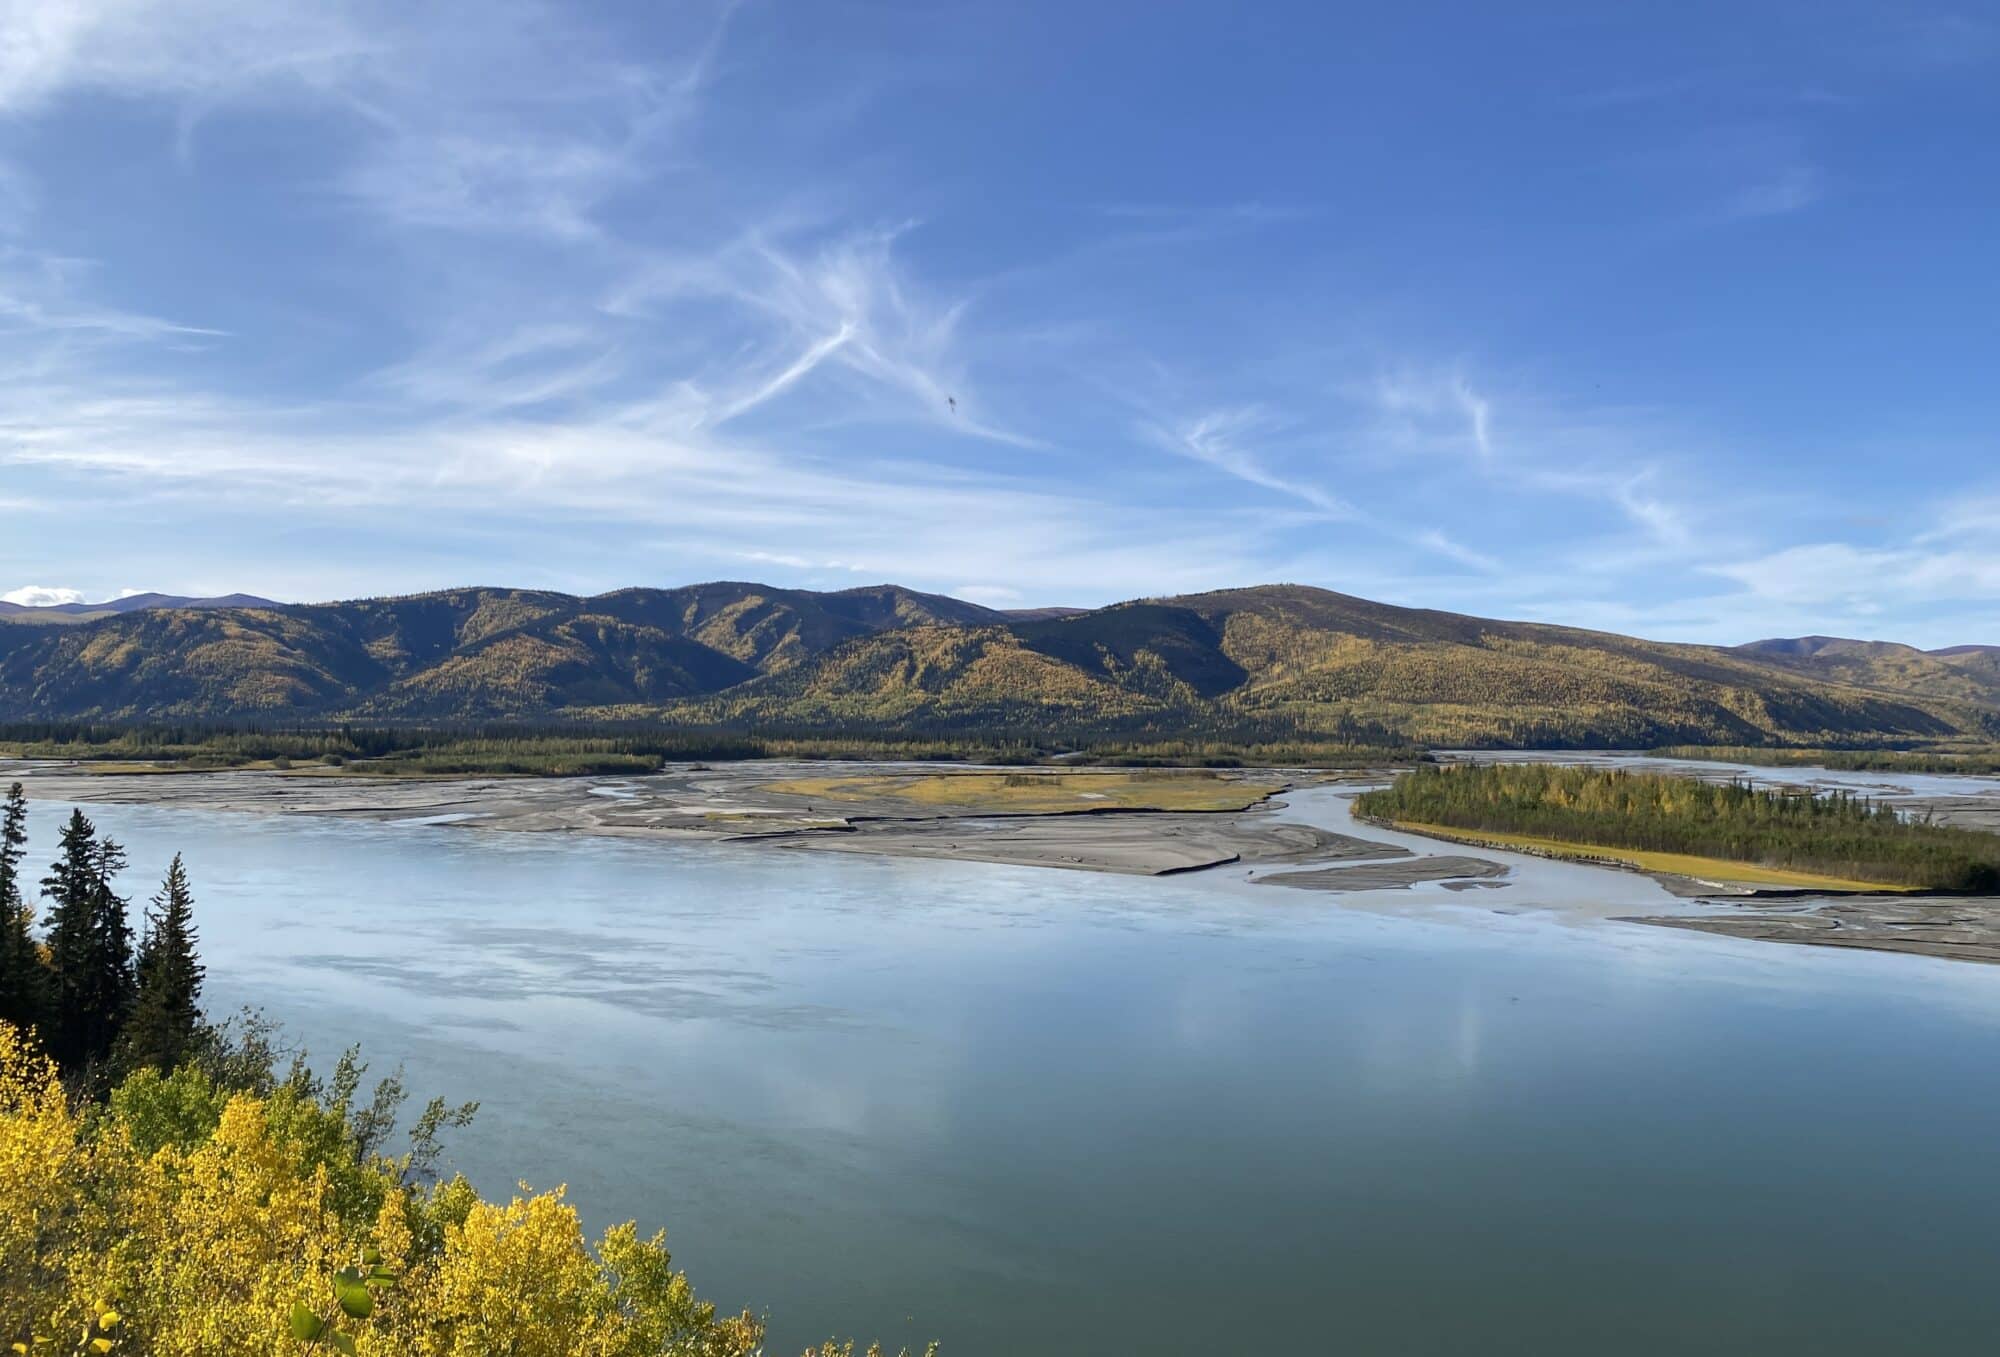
(170, 1186)
(1835, 835)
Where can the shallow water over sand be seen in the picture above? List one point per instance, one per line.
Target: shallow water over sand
(1021, 1109)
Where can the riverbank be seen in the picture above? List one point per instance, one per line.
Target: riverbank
(1135, 822)
(1683, 873)
(907, 811)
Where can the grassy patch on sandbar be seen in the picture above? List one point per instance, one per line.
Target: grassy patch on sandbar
(1720, 870)
(1035, 792)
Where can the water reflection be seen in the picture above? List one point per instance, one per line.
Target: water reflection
(1007, 1107)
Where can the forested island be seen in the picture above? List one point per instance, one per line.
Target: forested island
(1836, 835)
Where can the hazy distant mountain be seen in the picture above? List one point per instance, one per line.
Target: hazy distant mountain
(1968, 673)
(1273, 662)
(84, 612)
(1041, 614)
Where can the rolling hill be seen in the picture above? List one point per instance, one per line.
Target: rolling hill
(88, 612)
(1279, 661)
(1961, 673)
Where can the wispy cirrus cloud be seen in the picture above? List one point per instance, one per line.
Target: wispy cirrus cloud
(1873, 579)
(1787, 189)
(42, 294)
(1435, 407)
(840, 305)
(1217, 439)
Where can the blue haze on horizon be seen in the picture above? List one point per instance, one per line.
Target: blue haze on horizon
(1671, 320)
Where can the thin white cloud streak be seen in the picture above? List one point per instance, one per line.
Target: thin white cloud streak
(1791, 189)
(1975, 517)
(1443, 415)
(168, 48)
(843, 304)
(38, 294)
(1868, 578)
(1438, 542)
(907, 520)
(504, 115)
(1215, 440)
(1425, 403)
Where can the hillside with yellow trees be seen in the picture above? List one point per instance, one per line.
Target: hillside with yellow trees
(1272, 664)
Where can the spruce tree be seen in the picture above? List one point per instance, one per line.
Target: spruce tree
(21, 970)
(90, 948)
(166, 1024)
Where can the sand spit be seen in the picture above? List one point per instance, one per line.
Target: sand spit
(1139, 842)
(1454, 871)
(745, 803)
(1962, 926)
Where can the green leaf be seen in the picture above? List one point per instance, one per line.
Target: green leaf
(371, 1255)
(343, 1342)
(353, 1297)
(306, 1326)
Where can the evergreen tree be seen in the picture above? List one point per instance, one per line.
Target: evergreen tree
(90, 947)
(166, 1024)
(21, 970)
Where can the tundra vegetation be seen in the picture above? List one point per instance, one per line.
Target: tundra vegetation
(1834, 835)
(172, 1186)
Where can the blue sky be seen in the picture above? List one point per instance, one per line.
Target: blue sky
(1676, 320)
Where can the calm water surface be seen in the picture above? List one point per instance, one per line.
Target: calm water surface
(1016, 1109)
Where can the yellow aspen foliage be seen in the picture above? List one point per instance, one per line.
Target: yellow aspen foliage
(234, 1239)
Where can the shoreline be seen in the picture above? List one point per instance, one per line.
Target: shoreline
(1271, 844)
(742, 803)
(1723, 882)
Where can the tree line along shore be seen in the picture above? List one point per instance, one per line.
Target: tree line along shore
(621, 749)
(1832, 834)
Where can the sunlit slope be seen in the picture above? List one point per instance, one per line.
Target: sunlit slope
(454, 654)
(1269, 662)
(1958, 673)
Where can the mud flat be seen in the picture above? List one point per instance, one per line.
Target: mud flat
(1146, 843)
(1401, 871)
(1962, 926)
(1084, 820)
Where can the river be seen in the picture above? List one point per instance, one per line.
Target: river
(1032, 1110)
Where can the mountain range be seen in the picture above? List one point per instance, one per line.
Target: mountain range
(89, 612)
(1277, 661)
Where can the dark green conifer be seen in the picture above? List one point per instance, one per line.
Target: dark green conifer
(90, 948)
(166, 1025)
(21, 971)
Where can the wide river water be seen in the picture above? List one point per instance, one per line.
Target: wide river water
(1022, 1110)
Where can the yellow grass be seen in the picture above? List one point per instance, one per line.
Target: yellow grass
(1675, 864)
(1039, 793)
(135, 768)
